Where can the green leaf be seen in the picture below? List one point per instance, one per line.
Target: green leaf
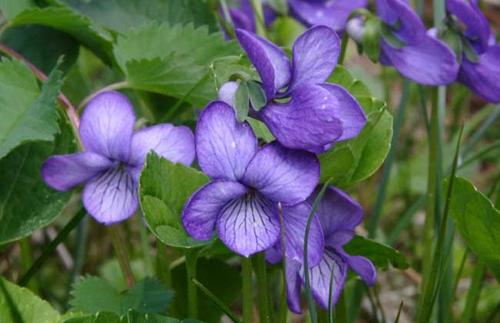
(70, 22)
(42, 46)
(380, 254)
(241, 101)
(11, 8)
(18, 304)
(179, 61)
(223, 280)
(121, 15)
(257, 95)
(26, 203)
(477, 220)
(164, 189)
(92, 295)
(23, 123)
(130, 317)
(354, 160)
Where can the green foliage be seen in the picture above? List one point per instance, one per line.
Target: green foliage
(179, 61)
(121, 15)
(164, 189)
(18, 304)
(477, 220)
(380, 254)
(356, 159)
(130, 317)
(223, 280)
(11, 8)
(92, 295)
(34, 122)
(372, 34)
(26, 203)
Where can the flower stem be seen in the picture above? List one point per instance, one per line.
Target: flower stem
(49, 249)
(260, 26)
(343, 46)
(379, 203)
(192, 291)
(259, 263)
(246, 271)
(121, 254)
(163, 264)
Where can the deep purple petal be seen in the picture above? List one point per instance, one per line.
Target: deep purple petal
(224, 146)
(243, 18)
(295, 220)
(483, 77)
(274, 254)
(111, 197)
(283, 175)
(227, 92)
(203, 208)
(410, 27)
(173, 143)
(321, 278)
(477, 26)
(64, 172)
(271, 62)
(430, 62)
(307, 121)
(330, 13)
(364, 268)
(293, 285)
(315, 55)
(339, 215)
(107, 125)
(249, 224)
(347, 110)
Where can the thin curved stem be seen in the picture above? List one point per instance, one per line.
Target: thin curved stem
(111, 87)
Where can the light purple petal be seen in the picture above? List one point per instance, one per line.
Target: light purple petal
(293, 285)
(203, 208)
(107, 125)
(430, 62)
(307, 121)
(330, 13)
(399, 13)
(271, 62)
(295, 220)
(347, 110)
(315, 55)
(224, 146)
(227, 92)
(477, 26)
(64, 172)
(243, 17)
(320, 276)
(483, 77)
(364, 268)
(339, 215)
(283, 175)
(173, 143)
(249, 224)
(111, 197)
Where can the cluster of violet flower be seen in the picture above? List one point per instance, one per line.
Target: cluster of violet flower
(463, 50)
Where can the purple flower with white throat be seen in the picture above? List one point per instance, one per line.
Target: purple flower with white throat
(406, 45)
(339, 215)
(330, 13)
(248, 183)
(302, 111)
(480, 57)
(113, 157)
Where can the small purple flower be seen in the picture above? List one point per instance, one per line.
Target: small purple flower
(243, 16)
(482, 75)
(113, 157)
(302, 111)
(418, 56)
(339, 215)
(248, 183)
(330, 13)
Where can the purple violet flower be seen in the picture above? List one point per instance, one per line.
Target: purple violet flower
(330, 13)
(113, 157)
(339, 215)
(482, 75)
(418, 56)
(248, 183)
(243, 16)
(302, 111)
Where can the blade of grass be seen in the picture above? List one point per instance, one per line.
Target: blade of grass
(400, 309)
(473, 293)
(217, 302)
